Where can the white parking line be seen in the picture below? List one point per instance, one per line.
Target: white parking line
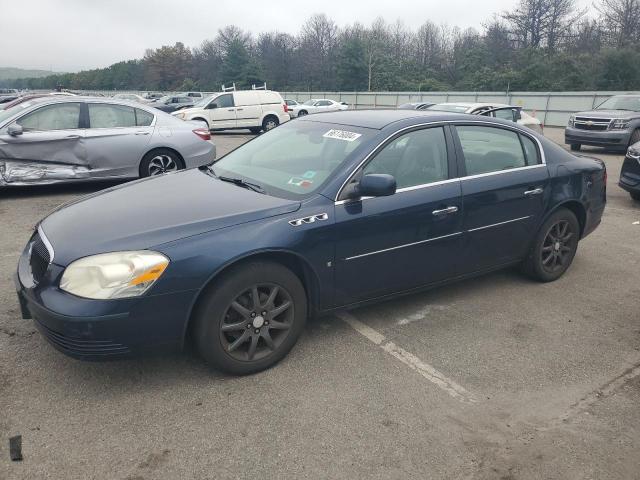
(409, 359)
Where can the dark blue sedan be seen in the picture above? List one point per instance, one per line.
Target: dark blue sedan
(327, 212)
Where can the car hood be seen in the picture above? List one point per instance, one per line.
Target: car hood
(154, 211)
(608, 114)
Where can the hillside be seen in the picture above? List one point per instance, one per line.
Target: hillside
(10, 73)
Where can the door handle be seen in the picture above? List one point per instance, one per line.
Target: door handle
(231, 110)
(535, 191)
(142, 133)
(445, 211)
(72, 136)
(239, 109)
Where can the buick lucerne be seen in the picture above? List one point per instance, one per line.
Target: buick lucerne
(327, 212)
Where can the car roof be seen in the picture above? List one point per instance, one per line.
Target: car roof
(379, 119)
(51, 99)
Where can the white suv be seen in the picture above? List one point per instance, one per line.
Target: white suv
(253, 109)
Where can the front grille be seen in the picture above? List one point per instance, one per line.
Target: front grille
(39, 259)
(81, 347)
(587, 123)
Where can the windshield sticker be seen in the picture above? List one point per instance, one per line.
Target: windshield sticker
(309, 175)
(342, 135)
(300, 182)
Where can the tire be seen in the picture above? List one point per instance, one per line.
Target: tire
(635, 196)
(235, 336)
(269, 123)
(554, 248)
(635, 137)
(302, 113)
(255, 130)
(575, 147)
(160, 160)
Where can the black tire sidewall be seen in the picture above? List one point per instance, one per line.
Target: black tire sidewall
(533, 264)
(216, 300)
(268, 119)
(144, 163)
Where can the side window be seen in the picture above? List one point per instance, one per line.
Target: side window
(185, 100)
(103, 115)
(62, 116)
(530, 150)
(224, 101)
(490, 149)
(504, 114)
(415, 158)
(143, 118)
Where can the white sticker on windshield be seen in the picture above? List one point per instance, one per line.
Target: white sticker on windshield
(342, 135)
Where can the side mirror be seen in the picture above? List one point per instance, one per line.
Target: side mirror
(14, 130)
(373, 185)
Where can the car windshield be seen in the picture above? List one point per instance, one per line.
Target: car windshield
(309, 102)
(203, 103)
(295, 159)
(448, 107)
(621, 103)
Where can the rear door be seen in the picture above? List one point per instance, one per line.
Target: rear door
(504, 193)
(117, 138)
(222, 112)
(248, 109)
(50, 147)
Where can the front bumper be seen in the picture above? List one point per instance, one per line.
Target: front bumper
(630, 175)
(101, 329)
(597, 138)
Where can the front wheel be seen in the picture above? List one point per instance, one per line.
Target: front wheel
(302, 113)
(251, 318)
(555, 247)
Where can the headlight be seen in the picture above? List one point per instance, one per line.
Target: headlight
(633, 153)
(620, 124)
(114, 275)
(179, 115)
(572, 120)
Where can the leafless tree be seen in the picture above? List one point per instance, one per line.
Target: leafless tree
(621, 20)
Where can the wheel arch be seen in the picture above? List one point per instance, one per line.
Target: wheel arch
(293, 261)
(173, 150)
(574, 206)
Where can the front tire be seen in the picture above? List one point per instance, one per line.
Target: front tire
(302, 113)
(554, 248)
(159, 161)
(250, 318)
(575, 147)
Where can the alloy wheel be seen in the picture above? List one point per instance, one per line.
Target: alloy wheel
(269, 125)
(257, 322)
(557, 249)
(162, 164)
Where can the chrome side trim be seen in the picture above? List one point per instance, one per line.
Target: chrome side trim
(498, 224)
(47, 244)
(500, 172)
(403, 246)
(515, 127)
(311, 219)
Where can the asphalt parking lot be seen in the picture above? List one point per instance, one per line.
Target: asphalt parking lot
(493, 378)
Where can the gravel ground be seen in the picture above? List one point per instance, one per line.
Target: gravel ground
(492, 378)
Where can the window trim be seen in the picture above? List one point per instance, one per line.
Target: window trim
(79, 127)
(451, 123)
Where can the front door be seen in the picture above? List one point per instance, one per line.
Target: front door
(222, 112)
(503, 194)
(411, 238)
(51, 146)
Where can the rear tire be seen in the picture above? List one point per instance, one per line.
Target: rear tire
(554, 248)
(575, 147)
(269, 123)
(635, 137)
(302, 113)
(250, 318)
(159, 161)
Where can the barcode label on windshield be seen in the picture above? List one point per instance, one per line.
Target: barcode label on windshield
(342, 135)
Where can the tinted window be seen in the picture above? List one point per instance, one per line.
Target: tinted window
(53, 117)
(143, 118)
(224, 101)
(530, 150)
(415, 158)
(505, 114)
(489, 149)
(102, 115)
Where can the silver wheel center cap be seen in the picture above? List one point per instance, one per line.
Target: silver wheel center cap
(258, 322)
(557, 246)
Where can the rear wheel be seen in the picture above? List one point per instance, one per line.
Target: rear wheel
(269, 123)
(302, 113)
(159, 161)
(576, 147)
(251, 318)
(555, 246)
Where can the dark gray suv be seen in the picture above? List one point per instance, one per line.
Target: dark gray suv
(614, 123)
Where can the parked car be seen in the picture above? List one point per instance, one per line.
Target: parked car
(497, 110)
(416, 105)
(253, 109)
(62, 139)
(9, 91)
(25, 98)
(196, 95)
(323, 213)
(131, 97)
(630, 173)
(153, 96)
(170, 103)
(614, 123)
(318, 105)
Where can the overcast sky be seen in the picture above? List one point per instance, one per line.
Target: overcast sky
(72, 35)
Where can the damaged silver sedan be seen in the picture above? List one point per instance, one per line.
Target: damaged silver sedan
(52, 140)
